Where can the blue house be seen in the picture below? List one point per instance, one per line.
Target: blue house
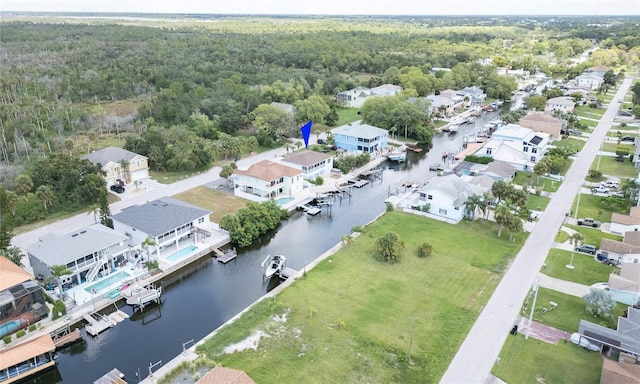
(358, 137)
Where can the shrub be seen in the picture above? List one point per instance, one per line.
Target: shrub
(595, 174)
(357, 228)
(389, 207)
(319, 180)
(7, 339)
(20, 333)
(32, 327)
(478, 159)
(59, 310)
(425, 250)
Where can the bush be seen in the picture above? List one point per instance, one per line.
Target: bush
(32, 327)
(59, 310)
(153, 264)
(478, 159)
(389, 207)
(319, 180)
(595, 174)
(425, 250)
(357, 228)
(20, 333)
(7, 339)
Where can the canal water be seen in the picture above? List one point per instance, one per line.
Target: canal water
(207, 294)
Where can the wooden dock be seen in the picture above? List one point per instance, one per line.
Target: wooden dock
(226, 256)
(287, 272)
(112, 377)
(97, 323)
(358, 183)
(139, 297)
(65, 336)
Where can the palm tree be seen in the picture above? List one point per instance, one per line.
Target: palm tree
(57, 271)
(472, 203)
(503, 216)
(45, 194)
(500, 189)
(24, 184)
(95, 209)
(124, 164)
(346, 240)
(514, 225)
(146, 243)
(575, 240)
(599, 303)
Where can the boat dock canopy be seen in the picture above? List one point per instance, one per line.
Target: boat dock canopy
(26, 351)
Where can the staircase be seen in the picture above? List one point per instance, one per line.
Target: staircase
(93, 272)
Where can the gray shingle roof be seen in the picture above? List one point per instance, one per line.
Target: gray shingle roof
(356, 129)
(108, 154)
(55, 249)
(160, 216)
(306, 158)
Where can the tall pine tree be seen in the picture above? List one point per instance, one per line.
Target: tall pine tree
(105, 212)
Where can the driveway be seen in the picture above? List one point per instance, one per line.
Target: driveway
(492, 327)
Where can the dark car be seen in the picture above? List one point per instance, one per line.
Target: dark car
(117, 188)
(586, 248)
(628, 138)
(322, 141)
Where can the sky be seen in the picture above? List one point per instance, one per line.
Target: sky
(336, 7)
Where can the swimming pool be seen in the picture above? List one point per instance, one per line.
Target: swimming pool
(107, 282)
(284, 200)
(181, 253)
(9, 327)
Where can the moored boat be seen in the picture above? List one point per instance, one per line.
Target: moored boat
(275, 265)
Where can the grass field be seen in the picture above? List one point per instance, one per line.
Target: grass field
(534, 361)
(587, 270)
(530, 179)
(219, 203)
(574, 145)
(538, 203)
(347, 115)
(585, 110)
(589, 123)
(350, 319)
(609, 166)
(593, 236)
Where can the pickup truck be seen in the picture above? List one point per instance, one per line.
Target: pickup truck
(589, 222)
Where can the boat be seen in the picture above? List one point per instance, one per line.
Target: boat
(397, 156)
(275, 265)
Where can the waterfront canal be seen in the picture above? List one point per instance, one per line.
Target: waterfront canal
(204, 296)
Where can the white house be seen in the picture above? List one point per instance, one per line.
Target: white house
(170, 223)
(475, 94)
(355, 97)
(446, 196)
(267, 179)
(441, 105)
(88, 253)
(590, 81)
(386, 90)
(563, 104)
(621, 224)
(120, 164)
(456, 98)
(532, 144)
(311, 163)
(289, 108)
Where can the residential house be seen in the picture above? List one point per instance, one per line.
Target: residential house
(222, 375)
(621, 223)
(457, 99)
(598, 70)
(266, 180)
(623, 342)
(625, 286)
(356, 97)
(501, 151)
(289, 108)
(517, 73)
(625, 371)
(543, 122)
(359, 137)
(562, 104)
(574, 89)
(88, 253)
(475, 95)
(499, 170)
(170, 224)
(616, 250)
(311, 163)
(21, 298)
(439, 69)
(446, 196)
(590, 81)
(353, 98)
(531, 143)
(120, 164)
(27, 358)
(441, 105)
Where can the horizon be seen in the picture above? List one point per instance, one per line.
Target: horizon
(465, 8)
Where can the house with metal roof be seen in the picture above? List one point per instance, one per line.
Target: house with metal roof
(562, 104)
(171, 225)
(266, 180)
(445, 197)
(532, 144)
(543, 122)
(88, 253)
(590, 81)
(311, 163)
(623, 340)
(120, 164)
(21, 299)
(356, 97)
(475, 94)
(25, 359)
(360, 137)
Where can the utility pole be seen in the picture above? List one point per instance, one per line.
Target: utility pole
(533, 306)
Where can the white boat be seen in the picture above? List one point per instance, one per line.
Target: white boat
(397, 156)
(275, 265)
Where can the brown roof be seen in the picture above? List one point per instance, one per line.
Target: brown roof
(631, 271)
(307, 158)
(618, 247)
(633, 218)
(11, 274)
(619, 373)
(599, 68)
(25, 351)
(539, 116)
(632, 237)
(268, 170)
(622, 284)
(222, 375)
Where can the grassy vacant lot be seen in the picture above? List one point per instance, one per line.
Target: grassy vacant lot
(538, 203)
(593, 236)
(595, 113)
(574, 144)
(609, 166)
(589, 123)
(173, 176)
(219, 203)
(530, 179)
(587, 270)
(534, 361)
(347, 115)
(599, 207)
(349, 319)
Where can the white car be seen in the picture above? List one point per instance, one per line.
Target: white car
(582, 341)
(600, 189)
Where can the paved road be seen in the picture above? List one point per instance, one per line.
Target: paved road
(478, 352)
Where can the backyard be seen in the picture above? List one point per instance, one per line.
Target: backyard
(350, 318)
(598, 207)
(218, 202)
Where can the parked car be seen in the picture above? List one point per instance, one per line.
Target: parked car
(600, 189)
(322, 141)
(586, 248)
(620, 159)
(628, 138)
(589, 222)
(575, 132)
(582, 341)
(611, 184)
(117, 188)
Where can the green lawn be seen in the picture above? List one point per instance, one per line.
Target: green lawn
(587, 270)
(585, 110)
(609, 166)
(538, 203)
(589, 123)
(439, 123)
(593, 235)
(527, 179)
(574, 144)
(173, 176)
(350, 318)
(561, 236)
(218, 202)
(347, 115)
(534, 361)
